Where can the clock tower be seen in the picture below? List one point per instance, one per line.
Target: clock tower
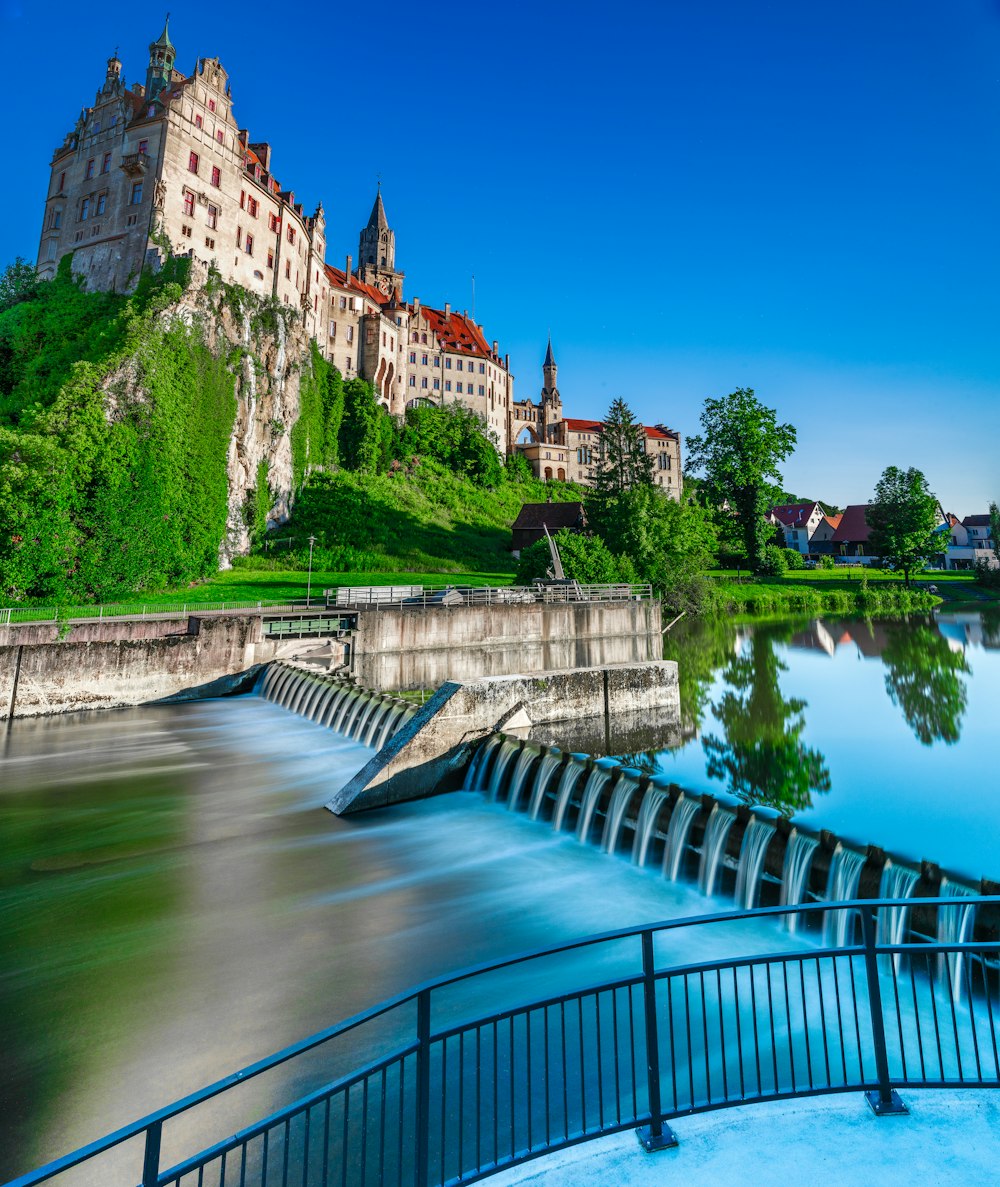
(377, 252)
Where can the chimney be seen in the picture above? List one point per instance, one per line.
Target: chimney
(447, 309)
(416, 305)
(480, 329)
(347, 267)
(496, 346)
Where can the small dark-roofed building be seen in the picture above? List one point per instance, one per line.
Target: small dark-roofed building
(534, 518)
(851, 536)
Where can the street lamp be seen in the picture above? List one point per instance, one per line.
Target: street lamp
(312, 541)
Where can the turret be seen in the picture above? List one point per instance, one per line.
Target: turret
(160, 71)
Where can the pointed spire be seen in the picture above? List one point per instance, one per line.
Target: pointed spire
(163, 40)
(549, 358)
(377, 217)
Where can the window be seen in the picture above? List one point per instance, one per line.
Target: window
(350, 333)
(272, 222)
(437, 383)
(136, 196)
(143, 148)
(423, 382)
(348, 362)
(197, 121)
(482, 390)
(211, 105)
(220, 135)
(57, 219)
(62, 182)
(288, 269)
(193, 162)
(186, 230)
(213, 217)
(90, 169)
(447, 385)
(102, 202)
(423, 360)
(413, 381)
(84, 209)
(423, 337)
(216, 176)
(458, 386)
(413, 356)
(291, 234)
(437, 361)
(333, 331)
(150, 112)
(447, 364)
(239, 236)
(384, 337)
(210, 243)
(343, 305)
(270, 259)
(482, 368)
(252, 207)
(459, 364)
(188, 203)
(106, 163)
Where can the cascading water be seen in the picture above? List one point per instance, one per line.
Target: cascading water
(713, 847)
(596, 782)
(753, 850)
(501, 762)
(897, 882)
(645, 825)
(516, 781)
(842, 886)
(621, 797)
(954, 926)
(567, 782)
(799, 854)
(479, 770)
(546, 767)
(685, 810)
(359, 714)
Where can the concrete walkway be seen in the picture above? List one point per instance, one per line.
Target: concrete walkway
(950, 1138)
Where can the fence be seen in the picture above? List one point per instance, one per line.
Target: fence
(475, 1072)
(32, 614)
(484, 595)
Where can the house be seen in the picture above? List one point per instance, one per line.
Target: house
(850, 538)
(533, 519)
(821, 543)
(798, 521)
(970, 541)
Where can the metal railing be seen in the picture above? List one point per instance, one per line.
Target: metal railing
(484, 595)
(475, 1072)
(41, 614)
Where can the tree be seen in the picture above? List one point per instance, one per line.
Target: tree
(364, 430)
(585, 558)
(995, 529)
(903, 518)
(623, 463)
(19, 282)
(738, 450)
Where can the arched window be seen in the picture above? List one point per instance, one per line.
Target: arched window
(561, 474)
(548, 473)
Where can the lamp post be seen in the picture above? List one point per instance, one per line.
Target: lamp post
(312, 541)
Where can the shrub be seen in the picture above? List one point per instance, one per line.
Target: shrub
(775, 563)
(794, 558)
(827, 562)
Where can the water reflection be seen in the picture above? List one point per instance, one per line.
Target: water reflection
(923, 678)
(760, 754)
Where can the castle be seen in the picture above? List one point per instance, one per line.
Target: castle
(163, 165)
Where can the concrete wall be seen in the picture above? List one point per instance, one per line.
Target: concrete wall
(416, 647)
(104, 665)
(429, 754)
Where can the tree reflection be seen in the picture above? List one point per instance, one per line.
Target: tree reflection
(762, 756)
(923, 677)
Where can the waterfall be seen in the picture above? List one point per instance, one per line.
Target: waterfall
(516, 782)
(645, 825)
(954, 926)
(567, 781)
(753, 850)
(592, 789)
(507, 751)
(799, 853)
(713, 847)
(476, 777)
(842, 886)
(621, 797)
(685, 810)
(546, 767)
(897, 882)
(359, 714)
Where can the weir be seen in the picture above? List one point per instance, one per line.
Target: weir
(750, 853)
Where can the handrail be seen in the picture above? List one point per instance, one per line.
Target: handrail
(649, 978)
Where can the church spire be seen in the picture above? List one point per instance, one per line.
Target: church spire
(549, 357)
(160, 71)
(377, 251)
(377, 220)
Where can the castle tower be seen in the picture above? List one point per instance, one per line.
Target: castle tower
(160, 72)
(377, 252)
(551, 400)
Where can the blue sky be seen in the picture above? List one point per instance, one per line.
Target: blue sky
(799, 198)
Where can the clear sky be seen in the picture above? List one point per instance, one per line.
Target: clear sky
(802, 198)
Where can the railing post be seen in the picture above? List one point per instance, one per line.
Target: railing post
(884, 1100)
(151, 1157)
(657, 1136)
(423, 1120)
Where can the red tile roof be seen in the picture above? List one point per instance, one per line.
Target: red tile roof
(455, 332)
(834, 520)
(793, 514)
(338, 277)
(655, 433)
(853, 527)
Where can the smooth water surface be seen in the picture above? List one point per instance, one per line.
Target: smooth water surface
(175, 903)
(884, 732)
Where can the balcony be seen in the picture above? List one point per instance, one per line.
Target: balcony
(135, 164)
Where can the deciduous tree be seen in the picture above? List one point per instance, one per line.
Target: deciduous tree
(903, 517)
(739, 450)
